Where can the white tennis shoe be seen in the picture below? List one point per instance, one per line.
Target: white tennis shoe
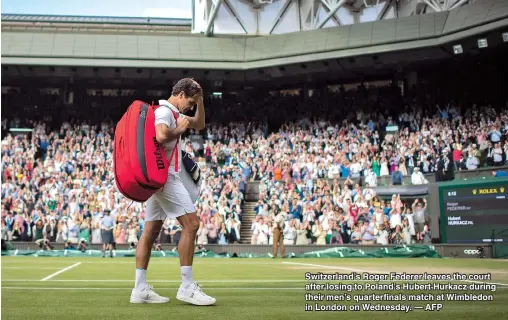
(195, 295)
(147, 295)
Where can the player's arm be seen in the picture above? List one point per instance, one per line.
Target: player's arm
(198, 121)
(164, 134)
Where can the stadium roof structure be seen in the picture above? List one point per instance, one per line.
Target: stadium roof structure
(140, 53)
(29, 22)
(265, 17)
(36, 18)
(101, 49)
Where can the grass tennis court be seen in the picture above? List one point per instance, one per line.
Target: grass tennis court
(95, 288)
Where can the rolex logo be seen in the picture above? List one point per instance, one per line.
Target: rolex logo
(474, 191)
(502, 189)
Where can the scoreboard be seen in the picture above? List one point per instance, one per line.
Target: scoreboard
(471, 211)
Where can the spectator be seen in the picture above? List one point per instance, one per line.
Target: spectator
(419, 218)
(396, 176)
(132, 234)
(498, 174)
(371, 178)
(381, 235)
(262, 232)
(38, 231)
(319, 234)
(427, 235)
(223, 234)
(119, 234)
(212, 231)
(406, 231)
(176, 231)
(253, 228)
(202, 234)
(356, 236)
(4, 231)
(233, 230)
(335, 237)
(368, 234)
(472, 161)
(417, 178)
(85, 231)
(497, 155)
(50, 230)
(290, 233)
(397, 236)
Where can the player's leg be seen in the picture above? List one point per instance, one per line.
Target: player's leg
(143, 250)
(190, 226)
(154, 218)
(180, 195)
(189, 290)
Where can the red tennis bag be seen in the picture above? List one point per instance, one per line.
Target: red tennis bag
(140, 164)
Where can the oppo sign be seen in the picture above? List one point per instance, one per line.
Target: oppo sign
(471, 252)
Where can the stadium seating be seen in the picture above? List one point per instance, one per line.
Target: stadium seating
(318, 171)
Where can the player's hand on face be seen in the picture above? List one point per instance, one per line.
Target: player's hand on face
(182, 123)
(200, 94)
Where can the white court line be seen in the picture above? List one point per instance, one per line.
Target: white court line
(332, 267)
(162, 281)
(61, 271)
(384, 272)
(249, 281)
(176, 262)
(130, 289)
(213, 281)
(31, 268)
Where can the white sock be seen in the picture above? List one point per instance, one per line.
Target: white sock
(140, 279)
(186, 272)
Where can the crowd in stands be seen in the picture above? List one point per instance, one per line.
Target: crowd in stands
(331, 213)
(448, 140)
(58, 181)
(297, 164)
(57, 185)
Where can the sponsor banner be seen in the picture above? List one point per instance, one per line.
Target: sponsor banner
(467, 251)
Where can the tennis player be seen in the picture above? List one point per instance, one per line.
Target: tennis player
(175, 200)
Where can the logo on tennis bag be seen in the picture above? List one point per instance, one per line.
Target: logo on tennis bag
(159, 153)
(140, 164)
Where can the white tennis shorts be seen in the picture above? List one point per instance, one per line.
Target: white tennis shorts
(176, 198)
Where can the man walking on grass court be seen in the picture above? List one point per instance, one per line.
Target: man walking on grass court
(176, 199)
(278, 235)
(107, 225)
